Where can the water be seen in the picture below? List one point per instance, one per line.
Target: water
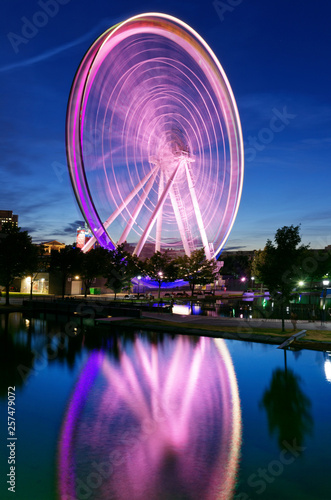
(156, 416)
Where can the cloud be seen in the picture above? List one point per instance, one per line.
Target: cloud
(57, 50)
(234, 248)
(16, 168)
(29, 229)
(317, 216)
(317, 142)
(70, 228)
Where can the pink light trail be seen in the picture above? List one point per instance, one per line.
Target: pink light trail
(164, 419)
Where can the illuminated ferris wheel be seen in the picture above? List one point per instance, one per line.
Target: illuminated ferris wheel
(154, 142)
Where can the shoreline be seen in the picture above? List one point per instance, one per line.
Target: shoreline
(242, 332)
(318, 337)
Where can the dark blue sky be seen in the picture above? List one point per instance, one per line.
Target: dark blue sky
(276, 54)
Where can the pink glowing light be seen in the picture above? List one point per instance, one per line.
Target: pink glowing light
(163, 418)
(154, 141)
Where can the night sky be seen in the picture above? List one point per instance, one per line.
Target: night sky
(276, 54)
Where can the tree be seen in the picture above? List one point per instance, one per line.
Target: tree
(36, 265)
(288, 408)
(17, 255)
(93, 265)
(196, 269)
(160, 268)
(236, 265)
(279, 265)
(67, 262)
(316, 266)
(120, 268)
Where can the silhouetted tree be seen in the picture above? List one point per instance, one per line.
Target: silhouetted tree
(65, 263)
(37, 265)
(236, 265)
(17, 255)
(120, 268)
(197, 269)
(287, 407)
(160, 268)
(93, 265)
(279, 265)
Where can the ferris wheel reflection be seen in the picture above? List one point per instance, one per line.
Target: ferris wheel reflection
(163, 421)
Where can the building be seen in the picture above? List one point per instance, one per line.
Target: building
(84, 234)
(8, 216)
(40, 284)
(52, 245)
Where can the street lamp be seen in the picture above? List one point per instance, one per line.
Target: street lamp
(138, 278)
(324, 292)
(160, 273)
(300, 283)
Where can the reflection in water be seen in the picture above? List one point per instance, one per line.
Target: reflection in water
(186, 309)
(16, 359)
(288, 408)
(161, 422)
(327, 366)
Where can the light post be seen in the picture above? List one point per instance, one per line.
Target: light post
(30, 282)
(160, 273)
(138, 278)
(325, 285)
(300, 283)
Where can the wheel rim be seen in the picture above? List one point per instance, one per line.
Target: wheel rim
(153, 133)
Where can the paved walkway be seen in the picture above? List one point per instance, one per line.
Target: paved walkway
(218, 320)
(223, 321)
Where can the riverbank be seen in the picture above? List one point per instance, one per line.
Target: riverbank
(318, 336)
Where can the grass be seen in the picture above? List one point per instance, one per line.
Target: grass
(21, 294)
(311, 335)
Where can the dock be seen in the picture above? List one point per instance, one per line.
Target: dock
(294, 337)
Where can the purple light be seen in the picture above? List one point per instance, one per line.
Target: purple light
(154, 408)
(66, 471)
(155, 149)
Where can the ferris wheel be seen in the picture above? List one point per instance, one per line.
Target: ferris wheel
(154, 141)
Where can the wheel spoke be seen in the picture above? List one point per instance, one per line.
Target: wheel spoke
(155, 213)
(137, 209)
(119, 209)
(159, 219)
(197, 211)
(166, 98)
(180, 218)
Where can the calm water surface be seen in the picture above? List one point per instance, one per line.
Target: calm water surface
(148, 416)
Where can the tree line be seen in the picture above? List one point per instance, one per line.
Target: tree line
(279, 266)
(282, 265)
(19, 257)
